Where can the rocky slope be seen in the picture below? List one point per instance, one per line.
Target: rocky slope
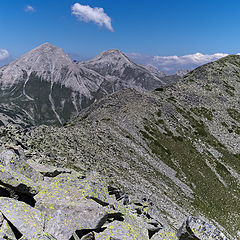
(182, 73)
(177, 148)
(45, 87)
(45, 202)
(132, 165)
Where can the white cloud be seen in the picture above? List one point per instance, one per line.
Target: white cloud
(5, 57)
(29, 8)
(4, 54)
(196, 58)
(172, 64)
(88, 14)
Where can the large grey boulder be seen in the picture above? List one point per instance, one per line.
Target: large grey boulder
(17, 182)
(130, 226)
(27, 220)
(165, 234)
(194, 228)
(64, 220)
(5, 230)
(66, 203)
(123, 230)
(16, 174)
(15, 160)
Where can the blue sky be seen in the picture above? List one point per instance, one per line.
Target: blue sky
(151, 27)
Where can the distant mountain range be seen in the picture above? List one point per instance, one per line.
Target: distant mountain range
(46, 87)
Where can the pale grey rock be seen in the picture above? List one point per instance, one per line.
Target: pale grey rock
(199, 229)
(47, 170)
(66, 204)
(165, 234)
(44, 236)
(26, 219)
(1, 219)
(63, 220)
(18, 163)
(123, 230)
(40, 236)
(6, 231)
(17, 181)
(90, 236)
(16, 174)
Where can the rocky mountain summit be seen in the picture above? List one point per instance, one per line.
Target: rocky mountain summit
(49, 63)
(123, 72)
(46, 87)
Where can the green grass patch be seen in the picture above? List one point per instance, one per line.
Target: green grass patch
(233, 113)
(212, 197)
(203, 112)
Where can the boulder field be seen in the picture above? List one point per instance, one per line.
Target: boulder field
(39, 201)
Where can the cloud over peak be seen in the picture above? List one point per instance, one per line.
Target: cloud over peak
(88, 14)
(197, 58)
(171, 64)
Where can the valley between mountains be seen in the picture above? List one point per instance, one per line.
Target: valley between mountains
(108, 149)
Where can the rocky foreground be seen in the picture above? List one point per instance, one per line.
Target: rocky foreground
(39, 201)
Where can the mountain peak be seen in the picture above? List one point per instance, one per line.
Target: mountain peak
(112, 51)
(45, 55)
(112, 55)
(45, 61)
(116, 66)
(47, 44)
(47, 48)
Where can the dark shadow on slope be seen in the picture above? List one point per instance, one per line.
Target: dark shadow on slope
(12, 193)
(83, 232)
